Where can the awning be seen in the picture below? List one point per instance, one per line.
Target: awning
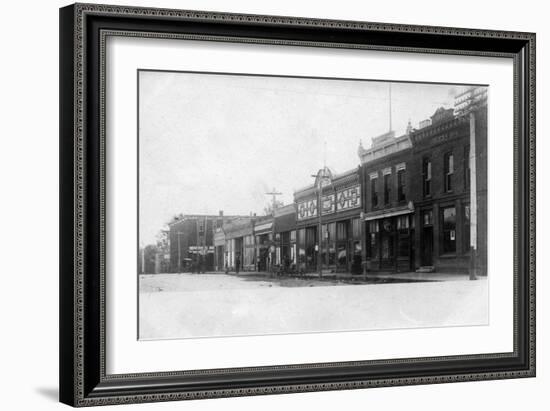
(264, 228)
(389, 212)
(239, 232)
(285, 222)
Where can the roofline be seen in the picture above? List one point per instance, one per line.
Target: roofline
(213, 216)
(335, 177)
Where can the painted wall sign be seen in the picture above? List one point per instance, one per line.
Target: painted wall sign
(307, 209)
(343, 200)
(329, 204)
(348, 198)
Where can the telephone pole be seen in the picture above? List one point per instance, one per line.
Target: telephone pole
(273, 193)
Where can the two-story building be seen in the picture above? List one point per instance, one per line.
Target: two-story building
(450, 193)
(425, 196)
(388, 207)
(339, 225)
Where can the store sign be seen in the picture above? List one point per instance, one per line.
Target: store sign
(349, 198)
(329, 204)
(194, 249)
(307, 209)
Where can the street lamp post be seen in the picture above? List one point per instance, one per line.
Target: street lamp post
(322, 176)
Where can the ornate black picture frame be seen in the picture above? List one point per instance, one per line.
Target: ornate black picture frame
(83, 30)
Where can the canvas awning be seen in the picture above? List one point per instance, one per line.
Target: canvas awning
(389, 212)
(264, 228)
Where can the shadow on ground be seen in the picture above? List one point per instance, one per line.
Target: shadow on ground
(329, 279)
(50, 393)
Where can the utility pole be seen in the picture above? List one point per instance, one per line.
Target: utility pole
(472, 107)
(274, 193)
(473, 197)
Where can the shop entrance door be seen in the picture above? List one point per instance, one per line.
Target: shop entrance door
(387, 261)
(387, 245)
(342, 257)
(427, 246)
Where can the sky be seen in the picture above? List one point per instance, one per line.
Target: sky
(211, 142)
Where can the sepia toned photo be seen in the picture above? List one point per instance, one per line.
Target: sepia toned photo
(281, 205)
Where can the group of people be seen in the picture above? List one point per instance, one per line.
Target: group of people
(263, 264)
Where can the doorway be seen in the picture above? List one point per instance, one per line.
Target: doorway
(427, 246)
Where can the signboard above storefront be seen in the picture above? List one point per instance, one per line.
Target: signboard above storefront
(307, 209)
(329, 204)
(349, 198)
(345, 199)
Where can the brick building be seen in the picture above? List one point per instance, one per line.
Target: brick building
(451, 211)
(191, 239)
(388, 209)
(341, 229)
(425, 197)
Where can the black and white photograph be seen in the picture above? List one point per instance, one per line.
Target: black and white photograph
(278, 204)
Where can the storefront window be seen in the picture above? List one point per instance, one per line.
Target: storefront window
(387, 247)
(311, 241)
(428, 217)
(301, 245)
(372, 246)
(448, 216)
(403, 222)
(331, 231)
(342, 255)
(356, 228)
(342, 230)
(373, 226)
(331, 254)
(387, 225)
(248, 256)
(324, 233)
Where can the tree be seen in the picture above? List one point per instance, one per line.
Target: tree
(148, 259)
